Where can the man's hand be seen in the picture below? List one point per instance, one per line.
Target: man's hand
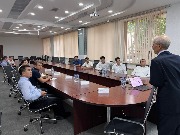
(49, 77)
(43, 93)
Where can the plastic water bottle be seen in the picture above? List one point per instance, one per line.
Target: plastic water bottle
(123, 81)
(52, 72)
(103, 71)
(76, 77)
(74, 67)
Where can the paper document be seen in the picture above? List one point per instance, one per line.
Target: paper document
(136, 81)
(84, 82)
(103, 90)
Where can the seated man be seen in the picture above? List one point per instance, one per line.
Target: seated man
(102, 64)
(141, 71)
(87, 64)
(31, 93)
(5, 61)
(76, 61)
(11, 61)
(23, 62)
(118, 67)
(36, 78)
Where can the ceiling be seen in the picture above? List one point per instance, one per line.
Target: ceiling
(36, 18)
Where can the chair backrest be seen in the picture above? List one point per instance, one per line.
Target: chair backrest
(62, 60)
(33, 58)
(20, 57)
(71, 61)
(7, 71)
(55, 59)
(151, 100)
(82, 61)
(96, 61)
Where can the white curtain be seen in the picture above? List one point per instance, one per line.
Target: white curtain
(100, 41)
(47, 46)
(57, 46)
(70, 42)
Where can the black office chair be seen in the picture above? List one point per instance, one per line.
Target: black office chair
(62, 60)
(82, 61)
(95, 63)
(71, 61)
(132, 126)
(33, 58)
(20, 58)
(0, 122)
(55, 59)
(40, 117)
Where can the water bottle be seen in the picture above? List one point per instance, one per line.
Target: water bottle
(123, 81)
(74, 67)
(76, 77)
(103, 72)
(52, 72)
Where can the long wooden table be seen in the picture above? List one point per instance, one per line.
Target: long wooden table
(91, 108)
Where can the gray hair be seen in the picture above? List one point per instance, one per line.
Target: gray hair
(162, 40)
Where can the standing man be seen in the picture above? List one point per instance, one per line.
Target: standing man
(165, 74)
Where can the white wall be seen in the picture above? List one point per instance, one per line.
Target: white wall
(173, 28)
(21, 46)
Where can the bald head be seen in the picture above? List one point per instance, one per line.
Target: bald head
(161, 43)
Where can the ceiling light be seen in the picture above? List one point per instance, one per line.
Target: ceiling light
(40, 7)
(38, 26)
(32, 13)
(66, 12)
(20, 24)
(80, 21)
(55, 32)
(110, 11)
(79, 29)
(81, 4)
(25, 29)
(50, 31)
(0, 10)
(17, 27)
(62, 27)
(56, 17)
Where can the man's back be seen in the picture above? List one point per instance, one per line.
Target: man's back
(165, 71)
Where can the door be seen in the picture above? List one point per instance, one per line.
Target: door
(1, 52)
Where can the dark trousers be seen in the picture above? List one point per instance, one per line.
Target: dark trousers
(169, 124)
(49, 100)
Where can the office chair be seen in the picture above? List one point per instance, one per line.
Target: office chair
(55, 59)
(82, 61)
(33, 58)
(0, 122)
(20, 58)
(40, 117)
(71, 61)
(62, 60)
(132, 126)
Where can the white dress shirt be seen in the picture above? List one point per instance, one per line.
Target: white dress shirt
(119, 68)
(11, 62)
(89, 64)
(101, 66)
(141, 71)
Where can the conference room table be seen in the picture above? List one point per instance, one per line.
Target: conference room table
(90, 107)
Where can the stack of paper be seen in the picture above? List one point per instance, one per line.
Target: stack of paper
(103, 90)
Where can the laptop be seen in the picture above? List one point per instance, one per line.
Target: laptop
(137, 84)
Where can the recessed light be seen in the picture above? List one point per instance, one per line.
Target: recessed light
(0, 10)
(24, 29)
(40, 7)
(81, 4)
(79, 29)
(20, 24)
(80, 21)
(66, 12)
(110, 11)
(38, 26)
(55, 32)
(32, 13)
(17, 27)
(56, 17)
(62, 27)
(50, 31)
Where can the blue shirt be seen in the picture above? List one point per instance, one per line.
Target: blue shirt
(35, 75)
(29, 91)
(4, 63)
(77, 62)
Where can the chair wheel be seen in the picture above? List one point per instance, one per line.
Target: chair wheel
(9, 95)
(55, 122)
(25, 129)
(19, 113)
(30, 120)
(18, 101)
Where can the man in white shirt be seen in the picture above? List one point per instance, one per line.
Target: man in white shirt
(118, 67)
(141, 71)
(102, 64)
(87, 64)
